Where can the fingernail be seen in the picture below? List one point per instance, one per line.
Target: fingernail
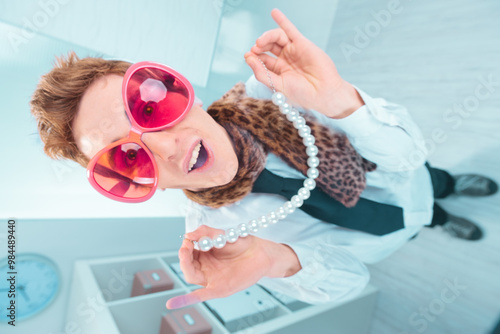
(182, 301)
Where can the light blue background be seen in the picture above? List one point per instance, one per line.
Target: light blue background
(203, 39)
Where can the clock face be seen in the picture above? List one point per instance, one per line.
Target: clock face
(37, 282)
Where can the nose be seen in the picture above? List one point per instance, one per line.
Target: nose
(163, 144)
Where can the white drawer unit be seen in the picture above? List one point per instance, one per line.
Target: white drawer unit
(100, 303)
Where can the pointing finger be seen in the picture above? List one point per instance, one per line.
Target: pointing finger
(197, 296)
(181, 301)
(291, 31)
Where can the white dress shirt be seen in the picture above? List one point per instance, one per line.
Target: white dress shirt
(332, 257)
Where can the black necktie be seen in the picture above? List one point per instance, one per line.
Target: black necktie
(367, 216)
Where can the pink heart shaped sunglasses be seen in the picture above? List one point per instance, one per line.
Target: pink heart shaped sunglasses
(156, 97)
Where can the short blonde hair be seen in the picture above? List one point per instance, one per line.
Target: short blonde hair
(57, 97)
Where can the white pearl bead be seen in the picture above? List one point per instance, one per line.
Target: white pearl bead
(231, 235)
(309, 184)
(313, 162)
(304, 131)
(278, 98)
(272, 216)
(242, 230)
(253, 226)
(312, 173)
(299, 122)
(285, 108)
(205, 244)
(289, 207)
(309, 140)
(263, 222)
(281, 213)
(312, 150)
(219, 241)
(292, 115)
(297, 201)
(304, 193)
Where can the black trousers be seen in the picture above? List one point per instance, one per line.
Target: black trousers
(443, 185)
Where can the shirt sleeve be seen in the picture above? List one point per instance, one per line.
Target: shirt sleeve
(329, 273)
(384, 133)
(380, 131)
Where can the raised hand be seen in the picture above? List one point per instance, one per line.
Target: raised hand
(235, 267)
(301, 70)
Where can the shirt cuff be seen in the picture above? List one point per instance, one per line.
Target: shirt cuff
(328, 273)
(365, 121)
(323, 263)
(358, 124)
(310, 275)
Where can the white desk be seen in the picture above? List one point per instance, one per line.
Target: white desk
(100, 303)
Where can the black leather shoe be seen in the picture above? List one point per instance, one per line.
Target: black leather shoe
(474, 185)
(462, 228)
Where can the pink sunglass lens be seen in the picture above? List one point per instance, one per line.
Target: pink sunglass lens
(125, 171)
(156, 98)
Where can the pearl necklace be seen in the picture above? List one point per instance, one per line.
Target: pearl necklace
(242, 230)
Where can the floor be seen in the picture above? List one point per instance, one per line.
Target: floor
(440, 60)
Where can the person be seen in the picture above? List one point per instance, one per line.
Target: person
(79, 110)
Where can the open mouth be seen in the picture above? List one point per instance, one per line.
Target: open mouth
(198, 157)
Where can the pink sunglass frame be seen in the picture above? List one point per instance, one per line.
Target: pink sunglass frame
(136, 130)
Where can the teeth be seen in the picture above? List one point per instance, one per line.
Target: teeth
(194, 156)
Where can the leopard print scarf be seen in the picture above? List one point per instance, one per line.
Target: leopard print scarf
(257, 127)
